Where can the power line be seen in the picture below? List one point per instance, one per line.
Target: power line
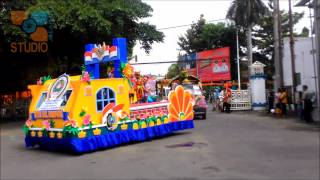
(178, 61)
(172, 27)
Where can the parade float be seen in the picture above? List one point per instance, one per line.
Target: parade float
(101, 110)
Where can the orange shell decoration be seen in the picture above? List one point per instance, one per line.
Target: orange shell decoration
(180, 106)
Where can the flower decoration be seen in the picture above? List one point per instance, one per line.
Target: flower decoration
(124, 126)
(43, 79)
(52, 134)
(151, 123)
(97, 131)
(135, 126)
(46, 124)
(39, 82)
(180, 107)
(82, 134)
(165, 119)
(40, 133)
(128, 71)
(83, 111)
(59, 135)
(85, 77)
(29, 123)
(159, 121)
(86, 120)
(73, 123)
(70, 127)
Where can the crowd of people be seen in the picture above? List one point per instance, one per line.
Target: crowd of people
(278, 103)
(221, 99)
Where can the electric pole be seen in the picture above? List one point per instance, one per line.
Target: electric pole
(278, 80)
(316, 4)
(292, 54)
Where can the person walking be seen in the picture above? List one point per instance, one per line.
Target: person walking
(306, 104)
(270, 101)
(283, 101)
(278, 103)
(227, 100)
(221, 97)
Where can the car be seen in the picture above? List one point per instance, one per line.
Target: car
(199, 106)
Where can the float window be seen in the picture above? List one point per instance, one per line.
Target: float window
(104, 97)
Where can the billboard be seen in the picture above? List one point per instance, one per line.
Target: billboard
(212, 65)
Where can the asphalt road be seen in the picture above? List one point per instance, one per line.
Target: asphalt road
(240, 145)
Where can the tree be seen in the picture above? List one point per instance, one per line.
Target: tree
(263, 40)
(73, 24)
(173, 71)
(246, 13)
(304, 32)
(192, 42)
(263, 34)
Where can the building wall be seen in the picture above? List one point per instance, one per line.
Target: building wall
(304, 63)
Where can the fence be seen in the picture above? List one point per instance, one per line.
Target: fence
(240, 100)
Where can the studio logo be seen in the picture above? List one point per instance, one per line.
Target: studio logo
(35, 26)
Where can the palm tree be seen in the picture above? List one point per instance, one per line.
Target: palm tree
(246, 13)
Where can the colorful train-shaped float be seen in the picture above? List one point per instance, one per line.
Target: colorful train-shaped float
(87, 112)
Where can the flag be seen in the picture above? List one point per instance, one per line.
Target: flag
(87, 56)
(113, 51)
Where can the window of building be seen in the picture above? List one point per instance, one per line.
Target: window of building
(104, 97)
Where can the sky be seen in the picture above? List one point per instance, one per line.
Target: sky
(169, 13)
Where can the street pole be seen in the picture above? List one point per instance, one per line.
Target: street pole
(293, 66)
(277, 53)
(314, 55)
(317, 33)
(238, 60)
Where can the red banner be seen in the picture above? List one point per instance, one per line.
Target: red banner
(212, 65)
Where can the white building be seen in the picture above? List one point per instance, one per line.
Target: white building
(305, 65)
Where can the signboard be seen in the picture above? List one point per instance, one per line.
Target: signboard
(54, 98)
(59, 87)
(51, 104)
(212, 65)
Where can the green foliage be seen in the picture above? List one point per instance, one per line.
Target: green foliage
(182, 76)
(45, 133)
(163, 117)
(82, 113)
(305, 32)
(173, 71)
(191, 41)
(52, 123)
(45, 78)
(25, 129)
(73, 24)
(263, 33)
(245, 13)
(70, 130)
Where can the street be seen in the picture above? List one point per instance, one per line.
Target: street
(239, 145)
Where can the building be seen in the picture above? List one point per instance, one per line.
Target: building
(315, 5)
(305, 65)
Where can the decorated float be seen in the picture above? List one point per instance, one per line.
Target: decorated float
(89, 112)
